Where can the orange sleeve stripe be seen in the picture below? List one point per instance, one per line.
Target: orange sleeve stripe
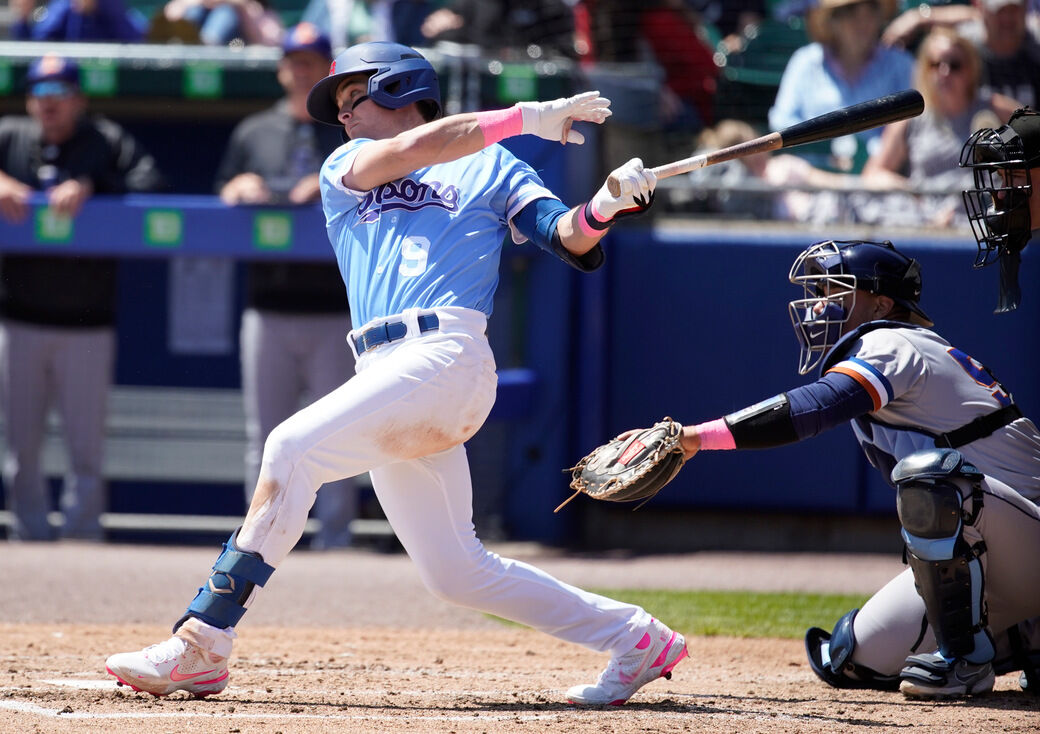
(871, 390)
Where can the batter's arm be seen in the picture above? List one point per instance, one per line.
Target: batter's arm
(455, 136)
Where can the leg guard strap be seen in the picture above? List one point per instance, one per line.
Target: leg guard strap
(830, 657)
(222, 601)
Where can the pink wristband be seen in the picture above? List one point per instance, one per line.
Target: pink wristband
(586, 229)
(596, 215)
(715, 436)
(500, 124)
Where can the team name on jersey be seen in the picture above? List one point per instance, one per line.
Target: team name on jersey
(409, 195)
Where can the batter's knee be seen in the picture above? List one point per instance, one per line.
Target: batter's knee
(282, 452)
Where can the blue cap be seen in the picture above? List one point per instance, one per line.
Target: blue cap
(52, 68)
(307, 37)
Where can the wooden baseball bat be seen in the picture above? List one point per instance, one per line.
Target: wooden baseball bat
(847, 120)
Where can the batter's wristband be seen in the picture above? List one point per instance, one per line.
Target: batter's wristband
(500, 124)
(588, 222)
(715, 436)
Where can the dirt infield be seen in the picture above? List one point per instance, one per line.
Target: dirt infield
(349, 642)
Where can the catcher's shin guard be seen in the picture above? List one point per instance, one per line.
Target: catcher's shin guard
(222, 601)
(932, 486)
(830, 657)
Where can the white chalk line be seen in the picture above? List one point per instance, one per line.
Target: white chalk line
(31, 708)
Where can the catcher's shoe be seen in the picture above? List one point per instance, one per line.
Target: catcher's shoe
(174, 665)
(657, 653)
(933, 676)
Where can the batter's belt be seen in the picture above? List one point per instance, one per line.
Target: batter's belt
(391, 331)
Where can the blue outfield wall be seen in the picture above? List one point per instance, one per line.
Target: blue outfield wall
(683, 320)
(697, 327)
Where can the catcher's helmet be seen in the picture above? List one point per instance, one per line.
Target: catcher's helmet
(832, 270)
(400, 75)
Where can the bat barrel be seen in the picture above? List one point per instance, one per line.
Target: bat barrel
(855, 118)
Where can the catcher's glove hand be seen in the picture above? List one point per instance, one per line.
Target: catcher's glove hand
(632, 468)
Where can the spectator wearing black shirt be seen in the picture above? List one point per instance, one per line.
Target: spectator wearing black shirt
(58, 313)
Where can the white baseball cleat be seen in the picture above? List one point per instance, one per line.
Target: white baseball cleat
(174, 665)
(657, 653)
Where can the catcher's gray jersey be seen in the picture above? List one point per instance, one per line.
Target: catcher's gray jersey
(922, 387)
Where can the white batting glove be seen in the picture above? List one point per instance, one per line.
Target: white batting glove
(552, 120)
(637, 192)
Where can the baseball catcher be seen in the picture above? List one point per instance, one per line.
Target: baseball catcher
(950, 439)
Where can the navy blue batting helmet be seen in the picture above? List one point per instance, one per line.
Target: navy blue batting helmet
(400, 75)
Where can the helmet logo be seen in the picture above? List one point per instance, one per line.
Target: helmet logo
(332, 69)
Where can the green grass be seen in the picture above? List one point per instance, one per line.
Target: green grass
(740, 613)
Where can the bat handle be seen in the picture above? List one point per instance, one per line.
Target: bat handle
(668, 169)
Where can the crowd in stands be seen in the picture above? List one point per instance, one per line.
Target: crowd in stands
(974, 64)
(851, 51)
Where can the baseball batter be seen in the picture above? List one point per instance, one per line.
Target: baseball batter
(964, 460)
(417, 209)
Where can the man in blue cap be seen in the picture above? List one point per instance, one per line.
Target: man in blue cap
(57, 313)
(294, 327)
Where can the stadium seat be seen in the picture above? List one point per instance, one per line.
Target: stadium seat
(748, 79)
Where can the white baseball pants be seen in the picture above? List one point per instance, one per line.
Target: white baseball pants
(404, 417)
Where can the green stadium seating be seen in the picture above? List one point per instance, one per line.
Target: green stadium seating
(748, 79)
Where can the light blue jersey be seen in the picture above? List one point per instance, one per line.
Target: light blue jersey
(430, 239)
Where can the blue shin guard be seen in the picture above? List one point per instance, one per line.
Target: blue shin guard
(221, 602)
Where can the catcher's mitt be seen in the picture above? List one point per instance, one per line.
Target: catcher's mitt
(635, 468)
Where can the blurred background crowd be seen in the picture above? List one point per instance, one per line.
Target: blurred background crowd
(684, 76)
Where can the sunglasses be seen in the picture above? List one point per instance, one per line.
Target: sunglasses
(954, 65)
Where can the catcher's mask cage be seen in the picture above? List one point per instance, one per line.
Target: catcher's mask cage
(398, 76)
(830, 273)
(998, 206)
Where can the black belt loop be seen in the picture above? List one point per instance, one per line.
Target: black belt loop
(391, 331)
(979, 428)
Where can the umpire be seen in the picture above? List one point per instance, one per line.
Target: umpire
(58, 313)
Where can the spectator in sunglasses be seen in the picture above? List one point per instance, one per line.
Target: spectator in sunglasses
(921, 153)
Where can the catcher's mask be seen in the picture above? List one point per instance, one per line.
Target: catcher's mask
(830, 273)
(998, 207)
